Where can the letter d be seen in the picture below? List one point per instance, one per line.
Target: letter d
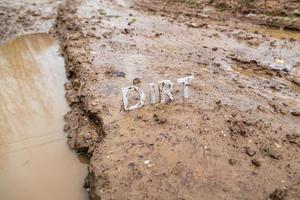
(141, 102)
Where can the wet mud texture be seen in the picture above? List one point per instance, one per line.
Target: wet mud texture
(236, 137)
(25, 17)
(277, 13)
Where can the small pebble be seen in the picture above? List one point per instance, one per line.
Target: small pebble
(256, 162)
(232, 161)
(250, 152)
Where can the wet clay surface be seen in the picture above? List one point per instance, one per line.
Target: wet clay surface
(236, 137)
(19, 17)
(275, 13)
(35, 162)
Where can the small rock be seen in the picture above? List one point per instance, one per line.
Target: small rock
(296, 113)
(250, 152)
(194, 25)
(76, 84)
(148, 163)
(277, 145)
(232, 161)
(279, 61)
(293, 139)
(158, 119)
(118, 74)
(238, 128)
(131, 165)
(125, 31)
(278, 194)
(273, 153)
(256, 162)
(66, 127)
(114, 73)
(198, 172)
(219, 103)
(136, 81)
(249, 122)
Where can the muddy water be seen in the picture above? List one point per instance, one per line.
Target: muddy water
(35, 161)
(277, 33)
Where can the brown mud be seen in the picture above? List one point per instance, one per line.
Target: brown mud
(236, 137)
(274, 13)
(18, 17)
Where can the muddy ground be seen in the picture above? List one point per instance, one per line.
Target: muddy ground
(275, 13)
(19, 17)
(236, 137)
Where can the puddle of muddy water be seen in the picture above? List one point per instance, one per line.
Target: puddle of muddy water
(277, 33)
(35, 161)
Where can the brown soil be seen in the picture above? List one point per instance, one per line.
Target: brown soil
(277, 13)
(290, 8)
(236, 137)
(25, 17)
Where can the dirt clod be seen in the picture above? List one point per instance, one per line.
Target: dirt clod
(159, 119)
(250, 152)
(295, 113)
(278, 194)
(256, 162)
(136, 81)
(232, 161)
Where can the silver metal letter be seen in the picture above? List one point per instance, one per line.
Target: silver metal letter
(185, 85)
(152, 93)
(165, 88)
(141, 102)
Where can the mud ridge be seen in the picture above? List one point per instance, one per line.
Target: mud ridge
(259, 69)
(84, 127)
(79, 120)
